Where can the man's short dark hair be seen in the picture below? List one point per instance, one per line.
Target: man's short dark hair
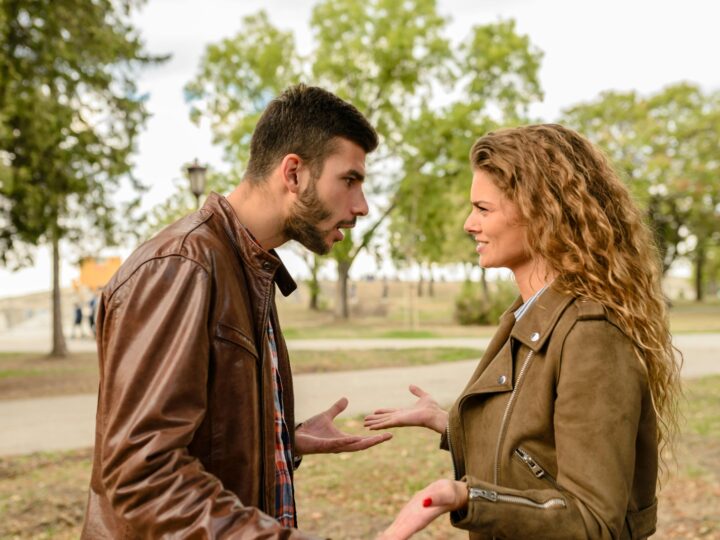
(305, 120)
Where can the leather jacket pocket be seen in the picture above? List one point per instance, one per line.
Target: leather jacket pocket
(235, 336)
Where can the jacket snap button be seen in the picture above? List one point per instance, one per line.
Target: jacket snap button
(266, 265)
(502, 379)
(535, 336)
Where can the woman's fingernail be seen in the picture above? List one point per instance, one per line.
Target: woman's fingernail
(427, 502)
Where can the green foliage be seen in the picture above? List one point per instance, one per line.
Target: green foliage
(476, 306)
(391, 60)
(493, 81)
(69, 115)
(237, 79)
(182, 202)
(664, 146)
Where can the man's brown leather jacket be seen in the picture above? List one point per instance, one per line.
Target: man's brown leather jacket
(184, 444)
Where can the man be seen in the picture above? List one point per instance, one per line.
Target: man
(195, 434)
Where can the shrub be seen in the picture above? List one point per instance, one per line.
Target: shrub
(473, 306)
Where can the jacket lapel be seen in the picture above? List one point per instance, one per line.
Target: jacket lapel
(497, 360)
(535, 327)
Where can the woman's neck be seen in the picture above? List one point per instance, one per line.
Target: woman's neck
(532, 277)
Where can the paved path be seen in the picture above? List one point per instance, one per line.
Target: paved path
(21, 342)
(68, 422)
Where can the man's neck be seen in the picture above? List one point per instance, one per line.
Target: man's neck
(258, 210)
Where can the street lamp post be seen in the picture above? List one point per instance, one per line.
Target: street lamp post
(196, 173)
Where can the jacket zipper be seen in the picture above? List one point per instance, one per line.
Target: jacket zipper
(494, 496)
(536, 469)
(506, 414)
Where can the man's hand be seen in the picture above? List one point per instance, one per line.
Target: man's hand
(427, 505)
(318, 435)
(425, 413)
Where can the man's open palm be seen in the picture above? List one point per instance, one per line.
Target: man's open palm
(319, 435)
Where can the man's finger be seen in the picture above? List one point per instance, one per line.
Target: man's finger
(324, 446)
(367, 442)
(339, 406)
(333, 445)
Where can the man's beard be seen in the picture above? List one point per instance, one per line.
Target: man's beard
(302, 224)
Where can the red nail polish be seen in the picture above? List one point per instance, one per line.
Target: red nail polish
(427, 502)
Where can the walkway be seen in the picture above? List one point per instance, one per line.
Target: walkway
(61, 423)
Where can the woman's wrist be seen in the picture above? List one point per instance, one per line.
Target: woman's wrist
(462, 495)
(438, 421)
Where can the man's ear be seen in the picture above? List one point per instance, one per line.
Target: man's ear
(290, 168)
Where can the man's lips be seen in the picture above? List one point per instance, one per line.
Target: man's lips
(349, 224)
(337, 233)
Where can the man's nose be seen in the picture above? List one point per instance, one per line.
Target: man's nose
(360, 205)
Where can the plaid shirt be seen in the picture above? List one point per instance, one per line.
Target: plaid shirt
(284, 493)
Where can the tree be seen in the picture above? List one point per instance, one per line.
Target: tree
(494, 80)
(69, 115)
(388, 58)
(664, 146)
(182, 201)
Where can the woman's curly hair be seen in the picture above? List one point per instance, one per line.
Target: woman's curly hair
(588, 230)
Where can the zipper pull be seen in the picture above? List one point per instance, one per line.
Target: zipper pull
(536, 469)
(476, 493)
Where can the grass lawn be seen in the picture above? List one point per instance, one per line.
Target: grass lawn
(353, 496)
(31, 375)
(373, 316)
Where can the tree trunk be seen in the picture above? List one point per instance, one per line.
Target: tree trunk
(314, 285)
(699, 268)
(412, 307)
(420, 283)
(483, 280)
(431, 285)
(341, 305)
(59, 348)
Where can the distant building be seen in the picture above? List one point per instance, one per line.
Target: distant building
(95, 272)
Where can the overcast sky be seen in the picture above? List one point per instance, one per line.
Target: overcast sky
(588, 47)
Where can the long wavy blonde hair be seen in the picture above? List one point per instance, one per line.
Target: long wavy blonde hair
(589, 231)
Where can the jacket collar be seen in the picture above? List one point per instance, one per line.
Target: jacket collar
(534, 328)
(260, 261)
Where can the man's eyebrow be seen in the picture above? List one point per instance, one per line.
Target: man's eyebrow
(354, 174)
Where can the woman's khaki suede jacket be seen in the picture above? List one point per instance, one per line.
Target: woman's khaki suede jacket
(555, 434)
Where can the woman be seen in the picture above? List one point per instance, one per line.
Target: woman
(557, 433)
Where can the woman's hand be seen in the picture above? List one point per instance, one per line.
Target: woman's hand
(427, 505)
(425, 413)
